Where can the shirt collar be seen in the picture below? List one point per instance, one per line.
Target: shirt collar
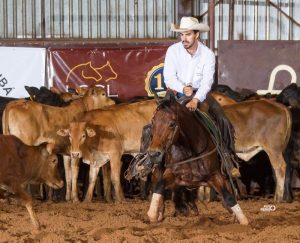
(197, 53)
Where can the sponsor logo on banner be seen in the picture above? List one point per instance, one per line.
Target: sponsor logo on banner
(154, 82)
(5, 85)
(88, 72)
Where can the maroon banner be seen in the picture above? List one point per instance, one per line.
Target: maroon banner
(125, 72)
(262, 66)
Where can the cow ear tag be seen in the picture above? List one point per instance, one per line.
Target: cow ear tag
(90, 132)
(63, 132)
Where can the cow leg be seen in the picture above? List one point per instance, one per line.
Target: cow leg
(92, 180)
(288, 195)
(218, 182)
(27, 202)
(115, 164)
(68, 175)
(74, 171)
(279, 166)
(107, 182)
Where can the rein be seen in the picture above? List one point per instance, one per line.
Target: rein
(192, 159)
(170, 142)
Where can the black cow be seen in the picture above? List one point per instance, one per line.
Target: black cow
(258, 169)
(290, 96)
(45, 96)
(292, 154)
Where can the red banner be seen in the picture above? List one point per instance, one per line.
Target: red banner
(125, 72)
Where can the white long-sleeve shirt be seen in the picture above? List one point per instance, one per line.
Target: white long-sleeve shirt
(181, 69)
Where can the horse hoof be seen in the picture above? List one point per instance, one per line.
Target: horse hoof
(152, 218)
(160, 217)
(243, 220)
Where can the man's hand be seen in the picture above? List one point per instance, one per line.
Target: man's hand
(188, 90)
(192, 105)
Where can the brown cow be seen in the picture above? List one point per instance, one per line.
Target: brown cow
(36, 123)
(118, 130)
(262, 125)
(22, 164)
(222, 99)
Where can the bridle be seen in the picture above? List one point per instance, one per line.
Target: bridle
(142, 164)
(171, 141)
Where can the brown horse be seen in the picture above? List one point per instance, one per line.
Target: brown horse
(189, 155)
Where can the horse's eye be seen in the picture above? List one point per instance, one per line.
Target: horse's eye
(172, 124)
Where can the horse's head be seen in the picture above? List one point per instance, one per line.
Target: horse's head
(165, 126)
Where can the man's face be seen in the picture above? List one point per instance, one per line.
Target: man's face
(189, 38)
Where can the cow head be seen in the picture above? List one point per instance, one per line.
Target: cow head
(78, 132)
(49, 172)
(96, 98)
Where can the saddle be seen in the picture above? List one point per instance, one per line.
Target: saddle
(212, 116)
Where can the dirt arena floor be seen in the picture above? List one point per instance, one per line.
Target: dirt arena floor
(127, 222)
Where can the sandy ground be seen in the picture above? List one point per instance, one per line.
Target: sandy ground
(127, 222)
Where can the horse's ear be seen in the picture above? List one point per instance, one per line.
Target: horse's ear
(157, 99)
(172, 97)
(169, 95)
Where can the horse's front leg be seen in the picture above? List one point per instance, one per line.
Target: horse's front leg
(218, 182)
(156, 209)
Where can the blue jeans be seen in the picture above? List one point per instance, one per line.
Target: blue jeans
(179, 95)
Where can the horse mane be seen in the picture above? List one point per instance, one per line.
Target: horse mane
(170, 97)
(189, 133)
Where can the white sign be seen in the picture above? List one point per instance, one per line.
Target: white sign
(20, 66)
(277, 69)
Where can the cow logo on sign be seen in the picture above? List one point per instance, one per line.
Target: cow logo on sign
(154, 82)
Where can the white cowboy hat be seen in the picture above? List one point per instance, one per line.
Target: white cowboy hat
(189, 23)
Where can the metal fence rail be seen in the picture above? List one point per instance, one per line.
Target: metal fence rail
(86, 18)
(253, 19)
(94, 19)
